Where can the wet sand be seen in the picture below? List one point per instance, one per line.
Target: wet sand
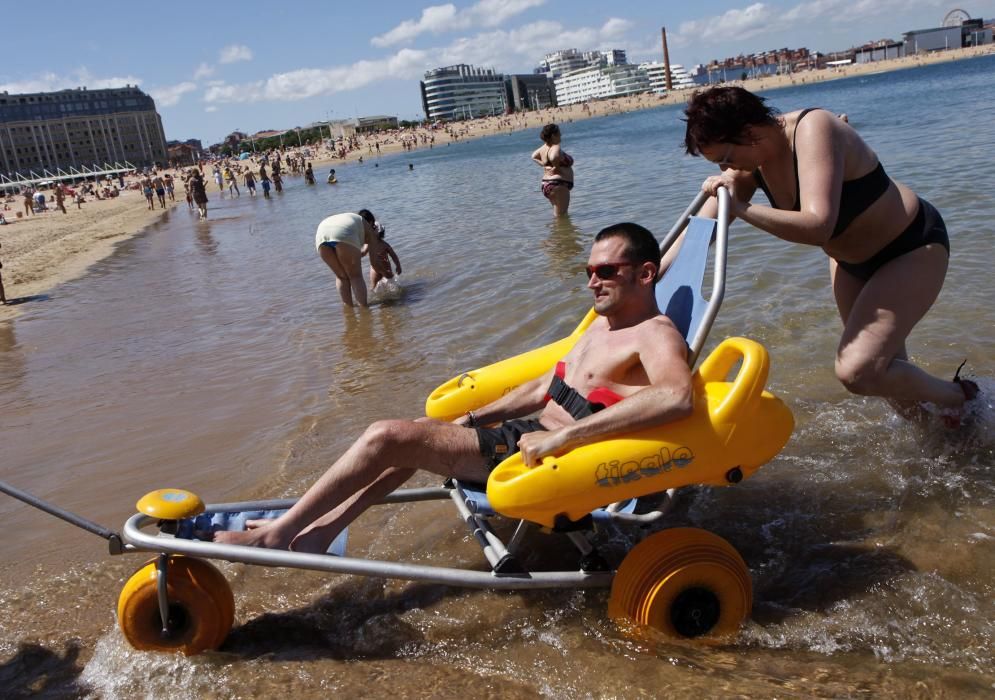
(43, 250)
(40, 252)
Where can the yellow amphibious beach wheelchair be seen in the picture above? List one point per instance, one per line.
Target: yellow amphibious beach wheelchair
(683, 581)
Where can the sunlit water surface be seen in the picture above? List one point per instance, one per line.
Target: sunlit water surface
(216, 357)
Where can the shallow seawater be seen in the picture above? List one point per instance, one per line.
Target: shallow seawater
(216, 357)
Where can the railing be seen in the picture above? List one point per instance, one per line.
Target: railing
(18, 180)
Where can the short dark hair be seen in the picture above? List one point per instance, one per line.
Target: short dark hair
(640, 244)
(547, 132)
(367, 216)
(721, 115)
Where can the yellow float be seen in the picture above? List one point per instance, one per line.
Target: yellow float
(735, 428)
(479, 387)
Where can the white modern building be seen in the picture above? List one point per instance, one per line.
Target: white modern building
(598, 82)
(559, 62)
(462, 92)
(565, 61)
(680, 79)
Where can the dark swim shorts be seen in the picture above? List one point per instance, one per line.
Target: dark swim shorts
(498, 443)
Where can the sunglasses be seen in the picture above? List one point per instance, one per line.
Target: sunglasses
(605, 271)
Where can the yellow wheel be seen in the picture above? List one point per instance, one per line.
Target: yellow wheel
(684, 582)
(201, 607)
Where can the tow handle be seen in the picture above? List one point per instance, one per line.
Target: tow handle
(113, 539)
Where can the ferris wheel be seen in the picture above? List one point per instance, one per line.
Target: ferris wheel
(955, 18)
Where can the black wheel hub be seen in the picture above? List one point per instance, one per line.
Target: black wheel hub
(695, 611)
(178, 621)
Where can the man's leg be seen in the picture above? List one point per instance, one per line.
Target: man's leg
(320, 534)
(373, 466)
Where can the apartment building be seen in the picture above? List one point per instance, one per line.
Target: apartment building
(79, 128)
(598, 82)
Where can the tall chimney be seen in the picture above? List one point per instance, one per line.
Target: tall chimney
(666, 60)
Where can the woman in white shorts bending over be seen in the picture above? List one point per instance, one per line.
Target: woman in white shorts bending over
(340, 242)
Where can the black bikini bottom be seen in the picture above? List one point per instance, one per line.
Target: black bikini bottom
(926, 228)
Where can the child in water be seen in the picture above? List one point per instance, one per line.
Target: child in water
(385, 252)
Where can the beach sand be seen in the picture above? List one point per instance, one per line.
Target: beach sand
(42, 251)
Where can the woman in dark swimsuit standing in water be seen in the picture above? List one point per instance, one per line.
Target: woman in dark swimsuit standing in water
(557, 173)
(887, 248)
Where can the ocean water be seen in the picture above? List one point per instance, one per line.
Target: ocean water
(216, 357)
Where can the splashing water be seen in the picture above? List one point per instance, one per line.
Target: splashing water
(388, 289)
(976, 430)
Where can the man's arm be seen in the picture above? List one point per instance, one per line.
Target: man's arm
(668, 397)
(521, 401)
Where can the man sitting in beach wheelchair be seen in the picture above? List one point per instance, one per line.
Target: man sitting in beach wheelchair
(627, 372)
(620, 416)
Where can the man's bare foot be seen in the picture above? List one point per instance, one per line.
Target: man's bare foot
(265, 536)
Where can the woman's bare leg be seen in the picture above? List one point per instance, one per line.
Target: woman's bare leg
(878, 316)
(561, 200)
(331, 258)
(352, 260)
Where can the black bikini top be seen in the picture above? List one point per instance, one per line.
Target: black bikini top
(856, 196)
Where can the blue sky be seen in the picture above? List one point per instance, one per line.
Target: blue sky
(215, 67)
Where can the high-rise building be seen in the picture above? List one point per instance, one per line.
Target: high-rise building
(462, 92)
(79, 128)
(598, 82)
(559, 62)
(567, 60)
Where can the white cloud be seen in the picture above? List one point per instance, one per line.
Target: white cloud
(309, 82)
(48, 82)
(445, 18)
(501, 49)
(235, 53)
(615, 28)
(750, 21)
(203, 71)
(169, 95)
(760, 18)
(211, 108)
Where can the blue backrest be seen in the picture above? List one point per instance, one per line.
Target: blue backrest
(678, 294)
